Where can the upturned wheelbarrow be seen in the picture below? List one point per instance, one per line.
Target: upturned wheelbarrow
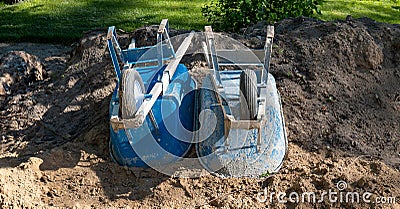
(234, 119)
(247, 136)
(150, 97)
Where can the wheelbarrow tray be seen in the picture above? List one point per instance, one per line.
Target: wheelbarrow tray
(241, 157)
(145, 146)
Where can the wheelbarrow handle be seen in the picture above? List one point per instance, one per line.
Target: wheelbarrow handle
(268, 51)
(115, 50)
(161, 87)
(163, 26)
(162, 33)
(172, 66)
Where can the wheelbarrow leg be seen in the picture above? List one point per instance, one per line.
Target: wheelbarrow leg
(132, 45)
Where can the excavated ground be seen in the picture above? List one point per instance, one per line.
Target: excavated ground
(340, 88)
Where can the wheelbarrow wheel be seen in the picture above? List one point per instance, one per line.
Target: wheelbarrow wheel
(248, 99)
(131, 93)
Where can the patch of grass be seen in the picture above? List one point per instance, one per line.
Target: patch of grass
(65, 20)
(380, 10)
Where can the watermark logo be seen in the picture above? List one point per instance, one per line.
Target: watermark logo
(341, 185)
(338, 195)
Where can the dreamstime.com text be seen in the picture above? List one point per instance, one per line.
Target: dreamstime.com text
(333, 196)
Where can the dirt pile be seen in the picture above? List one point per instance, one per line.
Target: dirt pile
(58, 109)
(21, 192)
(346, 77)
(340, 89)
(21, 68)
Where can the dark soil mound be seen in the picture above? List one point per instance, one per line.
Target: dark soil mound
(339, 83)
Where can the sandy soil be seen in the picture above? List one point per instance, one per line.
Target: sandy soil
(340, 88)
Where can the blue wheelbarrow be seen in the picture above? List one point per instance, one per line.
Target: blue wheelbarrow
(240, 96)
(151, 95)
(157, 112)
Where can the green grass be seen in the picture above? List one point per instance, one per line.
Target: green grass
(65, 20)
(380, 10)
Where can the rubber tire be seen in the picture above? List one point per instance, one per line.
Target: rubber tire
(127, 96)
(248, 88)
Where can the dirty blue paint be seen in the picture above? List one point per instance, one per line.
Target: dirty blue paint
(240, 158)
(173, 112)
(144, 146)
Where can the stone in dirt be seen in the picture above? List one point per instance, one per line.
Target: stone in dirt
(19, 67)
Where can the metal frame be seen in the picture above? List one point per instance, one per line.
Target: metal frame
(160, 87)
(123, 55)
(212, 59)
